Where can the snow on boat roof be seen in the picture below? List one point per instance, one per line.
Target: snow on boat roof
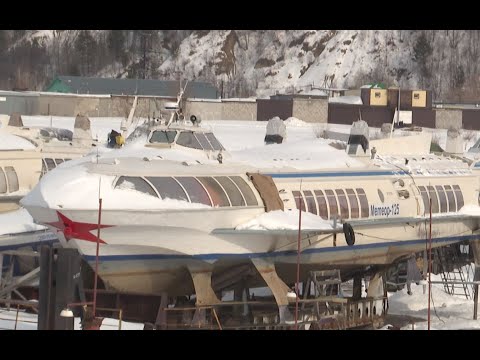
(14, 142)
(17, 222)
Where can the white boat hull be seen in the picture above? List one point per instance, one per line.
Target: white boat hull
(151, 258)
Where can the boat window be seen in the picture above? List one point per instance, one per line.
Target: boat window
(332, 203)
(187, 139)
(67, 159)
(50, 164)
(163, 137)
(380, 195)
(12, 178)
(233, 193)
(203, 141)
(458, 195)
(58, 161)
(195, 190)
(426, 198)
(442, 197)
(312, 205)
(218, 196)
(352, 199)
(3, 182)
(299, 200)
(135, 183)
(246, 190)
(363, 202)
(215, 143)
(342, 200)
(168, 188)
(434, 197)
(451, 198)
(322, 204)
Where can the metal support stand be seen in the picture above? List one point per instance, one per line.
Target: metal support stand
(59, 286)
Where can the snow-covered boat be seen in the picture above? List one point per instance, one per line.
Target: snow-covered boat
(27, 153)
(177, 226)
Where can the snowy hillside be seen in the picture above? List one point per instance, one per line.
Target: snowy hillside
(255, 62)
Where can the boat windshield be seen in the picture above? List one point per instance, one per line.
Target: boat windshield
(188, 139)
(198, 140)
(163, 136)
(215, 143)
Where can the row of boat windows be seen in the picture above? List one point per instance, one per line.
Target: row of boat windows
(201, 141)
(353, 203)
(348, 203)
(446, 198)
(50, 164)
(8, 180)
(208, 190)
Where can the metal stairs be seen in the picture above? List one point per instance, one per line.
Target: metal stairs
(455, 269)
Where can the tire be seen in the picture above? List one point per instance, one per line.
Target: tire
(349, 234)
(193, 118)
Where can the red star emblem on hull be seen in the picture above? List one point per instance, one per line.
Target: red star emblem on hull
(78, 230)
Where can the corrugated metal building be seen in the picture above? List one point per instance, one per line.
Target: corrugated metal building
(309, 108)
(269, 108)
(23, 103)
(110, 86)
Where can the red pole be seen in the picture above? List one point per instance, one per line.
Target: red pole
(298, 255)
(430, 265)
(96, 258)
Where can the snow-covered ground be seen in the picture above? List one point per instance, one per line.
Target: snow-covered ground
(447, 312)
(27, 321)
(100, 126)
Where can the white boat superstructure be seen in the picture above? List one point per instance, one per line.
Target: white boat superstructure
(27, 153)
(180, 141)
(166, 223)
(175, 138)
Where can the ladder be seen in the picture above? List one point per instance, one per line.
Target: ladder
(327, 282)
(454, 269)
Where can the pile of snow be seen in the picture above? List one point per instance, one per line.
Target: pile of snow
(353, 100)
(17, 222)
(84, 190)
(293, 121)
(473, 210)
(447, 312)
(280, 220)
(306, 154)
(27, 321)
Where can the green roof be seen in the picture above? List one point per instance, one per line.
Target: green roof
(111, 86)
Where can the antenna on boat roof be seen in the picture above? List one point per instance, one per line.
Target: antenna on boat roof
(175, 106)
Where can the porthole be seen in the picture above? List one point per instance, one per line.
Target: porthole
(380, 195)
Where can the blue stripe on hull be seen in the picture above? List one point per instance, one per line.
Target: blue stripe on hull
(218, 256)
(337, 174)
